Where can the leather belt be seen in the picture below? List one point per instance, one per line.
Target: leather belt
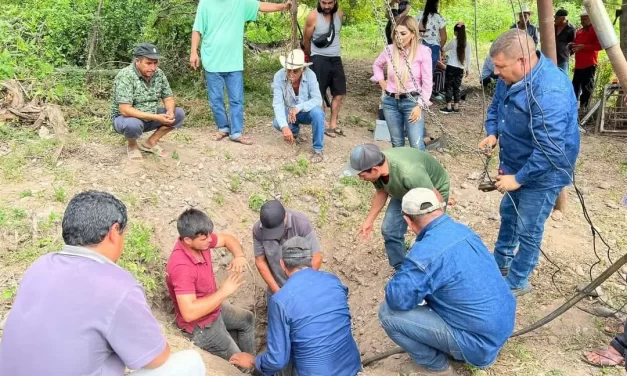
(403, 95)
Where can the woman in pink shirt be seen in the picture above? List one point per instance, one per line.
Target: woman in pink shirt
(402, 113)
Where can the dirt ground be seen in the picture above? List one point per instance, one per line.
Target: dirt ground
(226, 179)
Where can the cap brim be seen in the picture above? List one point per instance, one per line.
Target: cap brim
(273, 233)
(349, 171)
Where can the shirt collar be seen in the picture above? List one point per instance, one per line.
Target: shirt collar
(78, 251)
(140, 75)
(181, 246)
(436, 222)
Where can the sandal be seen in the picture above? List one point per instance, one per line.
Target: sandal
(156, 150)
(317, 157)
(243, 140)
(134, 155)
(614, 327)
(330, 132)
(607, 358)
(218, 136)
(300, 139)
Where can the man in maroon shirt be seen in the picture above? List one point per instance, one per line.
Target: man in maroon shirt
(200, 306)
(586, 49)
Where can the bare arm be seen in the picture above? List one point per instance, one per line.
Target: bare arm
(316, 261)
(193, 308)
(160, 359)
(195, 42)
(264, 270)
(378, 202)
(273, 7)
(169, 105)
(310, 24)
(443, 37)
(230, 243)
(128, 110)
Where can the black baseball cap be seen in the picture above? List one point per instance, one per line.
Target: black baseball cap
(147, 50)
(363, 157)
(272, 218)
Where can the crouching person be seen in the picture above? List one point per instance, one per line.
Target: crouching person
(448, 298)
(200, 306)
(99, 320)
(297, 101)
(308, 320)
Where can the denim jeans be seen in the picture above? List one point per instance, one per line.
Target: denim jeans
(396, 113)
(234, 81)
(315, 117)
(565, 66)
(523, 230)
(423, 334)
(232, 332)
(182, 363)
(393, 230)
(435, 53)
(133, 128)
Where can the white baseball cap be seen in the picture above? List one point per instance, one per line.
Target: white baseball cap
(414, 202)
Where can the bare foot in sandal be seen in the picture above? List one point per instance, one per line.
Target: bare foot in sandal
(218, 136)
(133, 154)
(614, 327)
(603, 357)
(243, 140)
(156, 150)
(317, 157)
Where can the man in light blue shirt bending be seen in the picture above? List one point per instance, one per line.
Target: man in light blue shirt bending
(297, 101)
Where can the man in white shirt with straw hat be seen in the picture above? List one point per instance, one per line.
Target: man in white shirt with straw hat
(297, 101)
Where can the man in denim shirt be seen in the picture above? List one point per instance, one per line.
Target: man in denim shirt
(534, 118)
(448, 298)
(297, 101)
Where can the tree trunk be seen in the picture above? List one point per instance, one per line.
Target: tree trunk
(295, 36)
(623, 28)
(93, 41)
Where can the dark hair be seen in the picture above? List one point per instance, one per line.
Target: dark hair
(333, 11)
(193, 223)
(431, 7)
(89, 216)
(460, 28)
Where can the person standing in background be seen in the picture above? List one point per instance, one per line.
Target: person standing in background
(400, 9)
(434, 30)
(586, 49)
(564, 35)
(457, 66)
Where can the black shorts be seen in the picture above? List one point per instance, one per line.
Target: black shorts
(330, 74)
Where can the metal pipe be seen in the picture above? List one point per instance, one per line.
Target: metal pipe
(547, 29)
(609, 41)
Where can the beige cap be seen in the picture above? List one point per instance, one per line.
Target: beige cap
(417, 197)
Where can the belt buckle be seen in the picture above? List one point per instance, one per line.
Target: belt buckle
(397, 96)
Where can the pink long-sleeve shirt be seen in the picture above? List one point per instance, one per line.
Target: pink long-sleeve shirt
(421, 68)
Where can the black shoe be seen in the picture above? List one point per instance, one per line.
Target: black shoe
(447, 110)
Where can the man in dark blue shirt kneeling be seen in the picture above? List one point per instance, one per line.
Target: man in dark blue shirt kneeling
(448, 298)
(308, 319)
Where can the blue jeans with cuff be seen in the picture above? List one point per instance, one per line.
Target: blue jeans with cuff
(423, 334)
(315, 117)
(393, 229)
(133, 128)
(396, 113)
(523, 230)
(234, 82)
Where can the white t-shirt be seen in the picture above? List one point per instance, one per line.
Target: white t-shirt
(434, 23)
(453, 59)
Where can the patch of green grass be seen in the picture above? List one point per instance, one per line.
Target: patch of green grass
(623, 167)
(24, 152)
(33, 250)
(141, 258)
(228, 156)
(8, 293)
(556, 372)
(60, 195)
(218, 198)
(299, 168)
(26, 193)
(13, 219)
(322, 199)
(236, 184)
(520, 352)
(255, 201)
(175, 155)
(183, 137)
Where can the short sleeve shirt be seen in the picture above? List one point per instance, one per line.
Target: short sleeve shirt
(221, 26)
(99, 319)
(186, 275)
(131, 88)
(413, 168)
(435, 22)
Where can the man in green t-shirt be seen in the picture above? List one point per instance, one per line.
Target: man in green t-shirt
(394, 172)
(220, 24)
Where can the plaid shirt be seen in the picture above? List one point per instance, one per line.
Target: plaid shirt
(130, 87)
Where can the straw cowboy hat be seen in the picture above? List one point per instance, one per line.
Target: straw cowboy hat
(294, 60)
(525, 9)
(584, 12)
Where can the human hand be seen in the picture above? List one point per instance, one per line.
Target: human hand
(165, 119)
(506, 183)
(288, 4)
(487, 145)
(288, 136)
(291, 115)
(383, 84)
(194, 60)
(244, 360)
(415, 114)
(365, 230)
(233, 282)
(238, 265)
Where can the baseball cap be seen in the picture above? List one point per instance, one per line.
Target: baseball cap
(272, 218)
(363, 157)
(561, 13)
(415, 202)
(296, 248)
(147, 50)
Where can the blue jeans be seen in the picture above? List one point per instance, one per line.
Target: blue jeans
(423, 334)
(133, 128)
(396, 113)
(315, 117)
(565, 66)
(393, 230)
(523, 231)
(234, 81)
(435, 53)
